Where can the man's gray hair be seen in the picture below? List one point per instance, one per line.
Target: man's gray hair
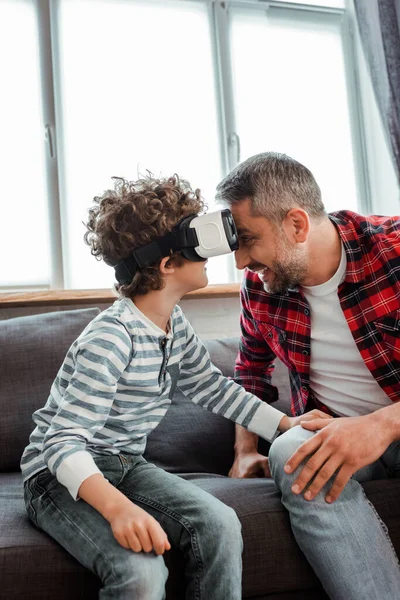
(274, 183)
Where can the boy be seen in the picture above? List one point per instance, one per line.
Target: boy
(114, 387)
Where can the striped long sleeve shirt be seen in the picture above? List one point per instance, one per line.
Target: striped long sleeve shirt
(117, 383)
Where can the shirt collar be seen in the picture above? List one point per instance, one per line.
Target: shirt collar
(350, 240)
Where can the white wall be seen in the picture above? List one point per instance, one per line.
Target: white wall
(213, 317)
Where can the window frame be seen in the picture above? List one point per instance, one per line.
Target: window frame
(229, 141)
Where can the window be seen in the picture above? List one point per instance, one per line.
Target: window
(24, 224)
(290, 94)
(188, 86)
(136, 93)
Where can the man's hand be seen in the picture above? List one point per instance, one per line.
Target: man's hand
(136, 530)
(251, 464)
(342, 446)
(289, 422)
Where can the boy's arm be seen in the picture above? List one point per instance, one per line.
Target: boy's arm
(204, 385)
(132, 526)
(97, 362)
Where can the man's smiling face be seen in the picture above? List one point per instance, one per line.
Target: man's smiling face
(265, 249)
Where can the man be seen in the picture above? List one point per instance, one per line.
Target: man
(322, 293)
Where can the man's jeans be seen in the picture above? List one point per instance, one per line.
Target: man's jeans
(345, 542)
(207, 531)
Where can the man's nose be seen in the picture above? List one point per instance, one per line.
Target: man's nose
(242, 259)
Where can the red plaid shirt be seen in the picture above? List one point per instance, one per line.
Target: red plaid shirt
(278, 325)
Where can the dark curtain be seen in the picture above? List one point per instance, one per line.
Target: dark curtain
(379, 26)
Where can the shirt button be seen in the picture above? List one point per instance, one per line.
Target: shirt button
(304, 388)
(305, 352)
(306, 312)
(269, 334)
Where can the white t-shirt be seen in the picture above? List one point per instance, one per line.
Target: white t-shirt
(338, 375)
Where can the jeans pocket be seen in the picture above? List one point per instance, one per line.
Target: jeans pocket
(43, 482)
(112, 467)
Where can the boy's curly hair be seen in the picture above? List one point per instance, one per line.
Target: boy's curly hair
(134, 214)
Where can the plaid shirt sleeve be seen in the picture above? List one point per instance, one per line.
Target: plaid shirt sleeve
(254, 362)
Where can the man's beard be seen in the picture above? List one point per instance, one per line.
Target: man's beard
(289, 271)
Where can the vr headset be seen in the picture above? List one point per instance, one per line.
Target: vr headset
(196, 237)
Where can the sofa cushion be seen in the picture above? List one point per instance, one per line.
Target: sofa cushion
(35, 567)
(32, 349)
(32, 565)
(191, 440)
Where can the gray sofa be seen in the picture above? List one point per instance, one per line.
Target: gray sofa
(189, 442)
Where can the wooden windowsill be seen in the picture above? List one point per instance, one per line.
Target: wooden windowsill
(65, 297)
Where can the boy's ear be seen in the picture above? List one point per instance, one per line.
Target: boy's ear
(166, 266)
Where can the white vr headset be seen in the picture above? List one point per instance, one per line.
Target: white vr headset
(196, 237)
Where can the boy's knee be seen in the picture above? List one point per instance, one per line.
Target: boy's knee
(152, 578)
(141, 576)
(224, 525)
(230, 521)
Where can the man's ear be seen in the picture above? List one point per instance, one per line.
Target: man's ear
(296, 225)
(166, 266)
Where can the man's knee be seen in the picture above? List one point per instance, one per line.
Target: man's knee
(285, 446)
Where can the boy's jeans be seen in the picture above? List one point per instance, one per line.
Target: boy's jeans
(345, 542)
(207, 531)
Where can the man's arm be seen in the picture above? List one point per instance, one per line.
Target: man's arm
(248, 461)
(342, 445)
(253, 370)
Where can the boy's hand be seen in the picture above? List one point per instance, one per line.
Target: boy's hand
(132, 526)
(136, 530)
(289, 422)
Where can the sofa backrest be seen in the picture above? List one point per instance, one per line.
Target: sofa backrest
(32, 349)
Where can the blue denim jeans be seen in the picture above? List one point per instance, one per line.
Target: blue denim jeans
(345, 542)
(207, 531)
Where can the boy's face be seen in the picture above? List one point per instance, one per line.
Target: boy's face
(192, 275)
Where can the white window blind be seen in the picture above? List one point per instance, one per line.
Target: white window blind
(136, 94)
(291, 94)
(24, 241)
